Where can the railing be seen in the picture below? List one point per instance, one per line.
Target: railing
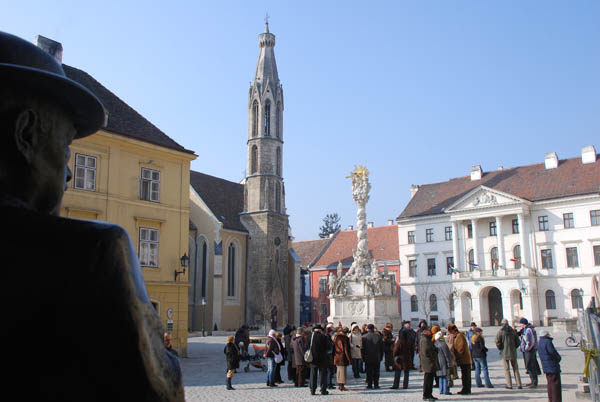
(513, 272)
(463, 275)
(589, 322)
(488, 274)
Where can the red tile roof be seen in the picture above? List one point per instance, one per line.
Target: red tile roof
(310, 250)
(532, 183)
(383, 246)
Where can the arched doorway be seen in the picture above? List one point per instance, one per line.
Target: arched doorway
(495, 306)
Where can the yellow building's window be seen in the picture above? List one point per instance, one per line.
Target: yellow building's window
(148, 247)
(85, 172)
(150, 185)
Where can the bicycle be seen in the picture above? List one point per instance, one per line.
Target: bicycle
(572, 341)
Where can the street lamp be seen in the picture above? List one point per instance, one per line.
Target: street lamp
(184, 262)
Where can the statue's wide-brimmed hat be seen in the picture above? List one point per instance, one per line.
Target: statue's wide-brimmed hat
(26, 66)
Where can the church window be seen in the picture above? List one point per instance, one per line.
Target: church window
(278, 161)
(267, 118)
(254, 119)
(414, 304)
(254, 160)
(278, 121)
(204, 268)
(231, 277)
(278, 197)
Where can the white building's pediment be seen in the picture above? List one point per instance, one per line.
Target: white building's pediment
(483, 197)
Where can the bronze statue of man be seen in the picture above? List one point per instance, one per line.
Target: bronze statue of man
(78, 323)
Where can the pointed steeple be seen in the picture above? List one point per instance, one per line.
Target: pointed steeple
(266, 68)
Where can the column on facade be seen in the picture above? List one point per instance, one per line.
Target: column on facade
(500, 237)
(455, 251)
(525, 260)
(475, 243)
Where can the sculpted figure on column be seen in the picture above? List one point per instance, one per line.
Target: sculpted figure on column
(81, 326)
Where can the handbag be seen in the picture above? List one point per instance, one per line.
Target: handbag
(308, 357)
(278, 355)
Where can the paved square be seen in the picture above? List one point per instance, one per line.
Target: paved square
(204, 378)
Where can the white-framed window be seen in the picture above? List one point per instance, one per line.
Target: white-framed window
(148, 248)
(572, 258)
(150, 185)
(85, 172)
(414, 304)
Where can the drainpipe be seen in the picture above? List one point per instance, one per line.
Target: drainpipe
(246, 284)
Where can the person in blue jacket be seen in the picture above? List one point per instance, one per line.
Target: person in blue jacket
(551, 366)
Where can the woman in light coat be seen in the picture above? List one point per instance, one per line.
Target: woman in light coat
(355, 349)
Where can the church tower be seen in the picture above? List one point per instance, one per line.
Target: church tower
(264, 213)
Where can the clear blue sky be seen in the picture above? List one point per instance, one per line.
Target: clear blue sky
(419, 91)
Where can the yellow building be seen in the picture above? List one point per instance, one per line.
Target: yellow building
(132, 174)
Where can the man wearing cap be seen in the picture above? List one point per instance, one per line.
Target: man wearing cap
(551, 365)
(507, 342)
(529, 343)
(373, 353)
(319, 347)
(83, 278)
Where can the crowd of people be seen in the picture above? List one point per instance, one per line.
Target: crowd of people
(316, 354)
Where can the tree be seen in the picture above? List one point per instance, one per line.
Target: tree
(330, 225)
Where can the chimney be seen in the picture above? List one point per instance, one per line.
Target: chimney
(413, 190)
(350, 227)
(476, 173)
(500, 167)
(390, 222)
(551, 160)
(370, 225)
(53, 48)
(588, 154)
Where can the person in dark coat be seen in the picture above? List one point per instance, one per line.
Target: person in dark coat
(422, 327)
(287, 351)
(232, 355)
(319, 348)
(272, 348)
(462, 355)
(479, 355)
(297, 352)
(507, 342)
(551, 365)
(404, 354)
(529, 343)
(388, 346)
(429, 363)
(372, 354)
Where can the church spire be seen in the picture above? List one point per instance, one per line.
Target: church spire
(266, 68)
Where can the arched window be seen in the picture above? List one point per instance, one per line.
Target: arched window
(278, 197)
(550, 300)
(231, 277)
(517, 256)
(471, 256)
(414, 303)
(254, 160)
(494, 258)
(278, 121)
(267, 118)
(254, 119)
(576, 299)
(278, 161)
(204, 265)
(433, 302)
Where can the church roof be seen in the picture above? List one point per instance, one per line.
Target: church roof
(383, 246)
(122, 118)
(310, 250)
(532, 183)
(224, 198)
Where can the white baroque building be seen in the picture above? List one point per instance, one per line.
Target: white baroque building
(524, 242)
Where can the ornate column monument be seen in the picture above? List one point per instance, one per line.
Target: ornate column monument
(363, 294)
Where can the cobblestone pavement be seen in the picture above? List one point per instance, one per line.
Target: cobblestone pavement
(204, 378)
